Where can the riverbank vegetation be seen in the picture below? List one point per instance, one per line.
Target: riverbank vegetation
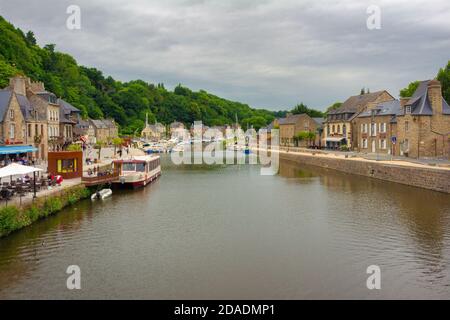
(13, 218)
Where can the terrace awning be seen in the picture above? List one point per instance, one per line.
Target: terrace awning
(334, 139)
(16, 149)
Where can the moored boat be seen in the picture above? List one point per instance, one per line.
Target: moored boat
(137, 171)
(102, 194)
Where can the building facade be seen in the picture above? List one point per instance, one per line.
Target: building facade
(423, 126)
(105, 130)
(377, 128)
(291, 126)
(340, 131)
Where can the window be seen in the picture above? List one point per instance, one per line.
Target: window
(42, 130)
(129, 167)
(338, 128)
(328, 130)
(140, 167)
(406, 126)
(373, 129)
(29, 130)
(383, 144)
(364, 143)
(408, 109)
(67, 165)
(383, 127)
(12, 131)
(11, 114)
(333, 129)
(344, 129)
(36, 129)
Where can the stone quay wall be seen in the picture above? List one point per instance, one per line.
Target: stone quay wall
(428, 178)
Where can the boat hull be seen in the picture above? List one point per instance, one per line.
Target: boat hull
(134, 183)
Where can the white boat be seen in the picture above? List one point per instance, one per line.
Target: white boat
(102, 194)
(137, 171)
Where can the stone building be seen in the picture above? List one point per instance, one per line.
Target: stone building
(377, 128)
(69, 118)
(423, 125)
(339, 129)
(84, 131)
(177, 130)
(292, 125)
(12, 128)
(28, 124)
(154, 132)
(105, 130)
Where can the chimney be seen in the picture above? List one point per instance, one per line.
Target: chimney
(18, 85)
(435, 96)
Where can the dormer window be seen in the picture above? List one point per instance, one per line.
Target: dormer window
(408, 110)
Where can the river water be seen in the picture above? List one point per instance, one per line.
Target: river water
(226, 232)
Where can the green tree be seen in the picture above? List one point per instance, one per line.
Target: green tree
(30, 38)
(409, 90)
(302, 108)
(444, 77)
(334, 106)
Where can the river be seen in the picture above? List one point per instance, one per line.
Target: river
(226, 232)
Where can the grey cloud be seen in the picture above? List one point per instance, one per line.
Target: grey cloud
(268, 53)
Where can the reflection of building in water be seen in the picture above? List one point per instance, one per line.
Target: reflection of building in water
(289, 169)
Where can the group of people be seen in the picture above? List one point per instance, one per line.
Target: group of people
(21, 160)
(96, 171)
(58, 179)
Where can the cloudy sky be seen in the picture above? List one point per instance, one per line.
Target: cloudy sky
(267, 53)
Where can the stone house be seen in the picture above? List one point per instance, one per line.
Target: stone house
(105, 130)
(31, 124)
(377, 128)
(339, 129)
(292, 125)
(12, 128)
(84, 130)
(177, 130)
(154, 132)
(69, 118)
(423, 125)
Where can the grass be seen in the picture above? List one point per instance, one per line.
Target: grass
(12, 218)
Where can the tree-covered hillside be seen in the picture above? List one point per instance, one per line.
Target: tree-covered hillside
(98, 96)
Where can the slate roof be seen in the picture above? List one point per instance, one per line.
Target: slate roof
(420, 102)
(388, 108)
(103, 124)
(5, 97)
(99, 124)
(354, 104)
(176, 124)
(66, 107)
(319, 121)
(25, 106)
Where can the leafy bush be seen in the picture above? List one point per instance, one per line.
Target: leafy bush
(9, 220)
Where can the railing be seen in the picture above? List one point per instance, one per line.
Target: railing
(101, 178)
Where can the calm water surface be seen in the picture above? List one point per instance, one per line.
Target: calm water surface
(226, 232)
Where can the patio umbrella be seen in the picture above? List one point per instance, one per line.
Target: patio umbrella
(18, 169)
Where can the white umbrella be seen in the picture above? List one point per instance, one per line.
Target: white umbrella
(18, 169)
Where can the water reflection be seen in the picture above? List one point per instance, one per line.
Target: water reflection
(228, 232)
